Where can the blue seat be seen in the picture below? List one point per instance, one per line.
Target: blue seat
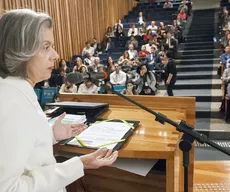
(48, 94)
(118, 88)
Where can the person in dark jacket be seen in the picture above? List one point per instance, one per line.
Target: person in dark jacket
(170, 73)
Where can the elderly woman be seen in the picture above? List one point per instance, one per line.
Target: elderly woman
(26, 57)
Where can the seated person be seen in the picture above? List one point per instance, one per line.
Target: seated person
(143, 52)
(68, 87)
(162, 28)
(226, 77)
(141, 20)
(133, 31)
(148, 36)
(119, 32)
(118, 24)
(89, 59)
(83, 69)
(132, 52)
(142, 30)
(78, 65)
(146, 82)
(118, 77)
(95, 64)
(182, 15)
(109, 44)
(108, 91)
(124, 59)
(225, 56)
(88, 88)
(59, 79)
(132, 41)
(225, 27)
(94, 43)
(149, 45)
(110, 65)
(151, 58)
(99, 49)
(129, 89)
(153, 27)
(167, 5)
(224, 41)
(87, 49)
(109, 33)
(62, 65)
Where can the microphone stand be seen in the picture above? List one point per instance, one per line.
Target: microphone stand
(189, 135)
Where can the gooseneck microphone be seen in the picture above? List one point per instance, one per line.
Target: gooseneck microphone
(77, 78)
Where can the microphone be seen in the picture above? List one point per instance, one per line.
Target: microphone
(77, 78)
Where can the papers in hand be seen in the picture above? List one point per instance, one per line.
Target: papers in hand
(70, 119)
(103, 134)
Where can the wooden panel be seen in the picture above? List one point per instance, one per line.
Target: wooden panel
(76, 21)
(1, 7)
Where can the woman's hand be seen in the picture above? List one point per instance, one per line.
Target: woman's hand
(101, 157)
(65, 131)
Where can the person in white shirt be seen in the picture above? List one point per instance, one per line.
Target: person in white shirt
(87, 49)
(141, 19)
(168, 4)
(149, 45)
(94, 66)
(132, 53)
(118, 77)
(68, 87)
(153, 27)
(26, 139)
(116, 25)
(133, 31)
(88, 88)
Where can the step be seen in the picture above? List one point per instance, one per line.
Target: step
(208, 110)
(195, 84)
(198, 56)
(198, 43)
(196, 68)
(197, 61)
(197, 75)
(201, 30)
(206, 35)
(215, 52)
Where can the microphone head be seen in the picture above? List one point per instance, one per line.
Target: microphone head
(75, 78)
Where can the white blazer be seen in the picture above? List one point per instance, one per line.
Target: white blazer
(27, 163)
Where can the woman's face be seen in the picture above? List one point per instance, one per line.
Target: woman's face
(144, 69)
(129, 86)
(78, 61)
(40, 65)
(110, 60)
(143, 48)
(83, 70)
(63, 63)
(126, 55)
(228, 36)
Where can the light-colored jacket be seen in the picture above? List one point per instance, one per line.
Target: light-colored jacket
(226, 75)
(26, 144)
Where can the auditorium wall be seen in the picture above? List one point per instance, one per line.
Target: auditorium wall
(76, 21)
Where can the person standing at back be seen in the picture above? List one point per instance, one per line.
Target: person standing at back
(26, 139)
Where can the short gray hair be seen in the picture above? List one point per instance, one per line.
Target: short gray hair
(21, 34)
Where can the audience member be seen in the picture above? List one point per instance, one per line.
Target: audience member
(132, 52)
(224, 41)
(110, 65)
(132, 41)
(148, 36)
(225, 56)
(68, 87)
(167, 4)
(109, 44)
(118, 77)
(59, 79)
(149, 45)
(142, 29)
(87, 49)
(151, 58)
(133, 31)
(94, 43)
(88, 60)
(107, 91)
(83, 69)
(141, 20)
(153, 27)
(170, 44)
(109, 33)
(129, 89)
(62, 65)
(118, 24)
(94, 65)
(99, 49)
(182, 15)
(146, 82)
(124, 59)
(78, 65)
(88, 87)
(226, 73)
(143, 52)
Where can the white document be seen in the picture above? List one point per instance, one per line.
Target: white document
(136, 166)
(102, 134)
(70, 119)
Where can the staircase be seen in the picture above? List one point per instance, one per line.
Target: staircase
(197, 63)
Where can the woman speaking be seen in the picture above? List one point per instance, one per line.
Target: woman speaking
(27, 164)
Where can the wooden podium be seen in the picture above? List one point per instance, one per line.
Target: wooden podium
(151, 140)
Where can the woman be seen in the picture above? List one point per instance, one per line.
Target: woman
(109, 32)
(119, 32)
(125, 60)
(133, 31)
(62, 65)
(26, 135)
(148, 36)
(146, 82)
(129, 89)
(143, 29)
(78, 65)
(143, 52)
(110, 65)
(83, 69)
(88, 87)
(68, 87)
(170, 73)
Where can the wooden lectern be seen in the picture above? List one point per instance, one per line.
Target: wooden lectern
(151, 140)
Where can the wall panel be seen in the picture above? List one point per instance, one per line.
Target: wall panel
(76, 21)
